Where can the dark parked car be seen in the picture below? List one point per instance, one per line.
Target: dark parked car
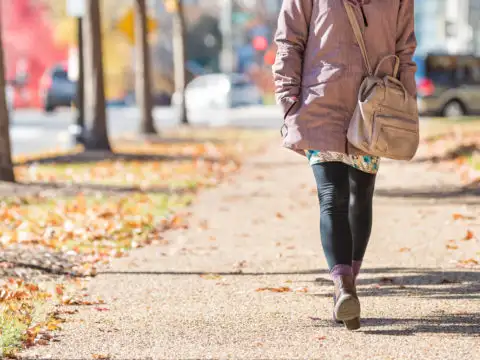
(448, 85)
(56, 89)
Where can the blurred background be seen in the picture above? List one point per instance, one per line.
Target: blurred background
(228, 47)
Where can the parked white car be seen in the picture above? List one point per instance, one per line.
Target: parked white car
(219, 91)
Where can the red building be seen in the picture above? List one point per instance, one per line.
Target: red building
(29, 47)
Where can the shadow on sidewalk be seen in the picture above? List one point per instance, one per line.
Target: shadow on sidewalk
(425, 283)
(466, 324)
(428, 193)
(96, 156)
(227, 273)
(72, 189)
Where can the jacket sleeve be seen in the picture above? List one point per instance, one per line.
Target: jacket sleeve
(406, 45)
(291, 40)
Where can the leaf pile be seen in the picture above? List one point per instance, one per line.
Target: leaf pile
(95, 228)
(459, 149)
(20, 320)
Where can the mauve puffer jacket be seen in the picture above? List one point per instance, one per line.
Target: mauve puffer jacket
(319, 67)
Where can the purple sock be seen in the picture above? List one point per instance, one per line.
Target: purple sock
(340, 270)
(356, 265)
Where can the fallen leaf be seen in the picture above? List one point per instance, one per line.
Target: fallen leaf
(469, 236)
(203, 225)
(457, 216)
(469, 262)
(405, 249)
(321, 338)
(276, 290)
(101, 356)
(101, 309)
(59, 289)
(279, 215)
(42, 341)
(452, 247)
(210, 276)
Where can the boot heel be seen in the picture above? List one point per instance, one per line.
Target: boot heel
(353, 324)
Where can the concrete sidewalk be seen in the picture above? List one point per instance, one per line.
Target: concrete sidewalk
(260, 230)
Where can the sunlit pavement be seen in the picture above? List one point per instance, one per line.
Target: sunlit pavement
(35, 131)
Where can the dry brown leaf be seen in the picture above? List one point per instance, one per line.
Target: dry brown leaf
(469, 262)
(458, 216)
(276, 290)
(101, 356)
(279, 215)
(405, 249)
(452, 247)
(321, 338)
(210, 276)
(469, 235)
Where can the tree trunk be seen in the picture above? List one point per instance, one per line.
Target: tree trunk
(96, 135)
(6, 165)
(179, 34)
(143, 74)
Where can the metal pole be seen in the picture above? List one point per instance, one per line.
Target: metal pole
(227, 34)
(179, 57)
(80, 84)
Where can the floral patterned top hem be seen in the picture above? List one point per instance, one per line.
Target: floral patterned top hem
(369, 164)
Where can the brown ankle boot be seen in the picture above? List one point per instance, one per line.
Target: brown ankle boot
(347, 305)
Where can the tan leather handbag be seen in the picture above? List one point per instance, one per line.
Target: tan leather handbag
(385, 122)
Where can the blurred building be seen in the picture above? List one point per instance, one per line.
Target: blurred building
(451, 26)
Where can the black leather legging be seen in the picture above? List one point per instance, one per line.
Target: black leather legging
(345, 195)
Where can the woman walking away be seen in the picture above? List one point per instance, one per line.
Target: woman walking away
(318, 71)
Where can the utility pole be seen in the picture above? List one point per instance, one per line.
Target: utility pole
(80, 84)
(179, 57)
(143, 71)
(227, 55)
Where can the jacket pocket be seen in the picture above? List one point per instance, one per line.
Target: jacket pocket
(287, 106)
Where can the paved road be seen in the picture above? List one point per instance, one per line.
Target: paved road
(34, 131)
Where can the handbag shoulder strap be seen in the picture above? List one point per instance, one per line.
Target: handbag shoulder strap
(352, 18)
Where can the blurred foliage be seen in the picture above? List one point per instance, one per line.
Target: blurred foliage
(117, 50)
